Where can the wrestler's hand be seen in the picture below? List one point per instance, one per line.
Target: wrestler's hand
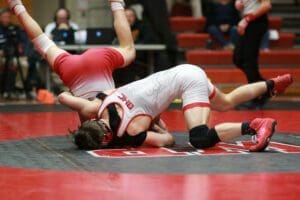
(160, 128)
(159, 122)
(242, 26)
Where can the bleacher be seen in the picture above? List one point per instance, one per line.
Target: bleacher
(193, 42)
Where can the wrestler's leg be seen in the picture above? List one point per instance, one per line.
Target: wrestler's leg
(42, 43)
(224, 102)
(122, 29)
(200, 116)
(200, 136)
(196, 116)
(261, 128)
(269, 88)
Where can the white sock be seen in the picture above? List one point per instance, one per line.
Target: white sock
(18, 9)
(117, 6)
(42, 44)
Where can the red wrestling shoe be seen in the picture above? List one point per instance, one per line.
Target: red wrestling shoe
(264, 127)
(281, 83)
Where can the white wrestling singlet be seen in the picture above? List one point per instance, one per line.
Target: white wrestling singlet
(152, 95)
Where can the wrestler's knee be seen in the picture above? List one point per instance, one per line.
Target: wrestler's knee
(203, 137)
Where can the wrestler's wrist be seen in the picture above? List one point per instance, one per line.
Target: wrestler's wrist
(117, 5)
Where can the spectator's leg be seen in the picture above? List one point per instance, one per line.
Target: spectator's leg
(233, 35)
(265, 41)
(215, 32)
(238, 56)
(159, 21)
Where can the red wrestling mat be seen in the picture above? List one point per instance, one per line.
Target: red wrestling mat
(40, 184)
(50, 168)
(30, 125)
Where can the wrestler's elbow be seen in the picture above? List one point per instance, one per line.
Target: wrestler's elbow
(61, 98)
(129, 53)
(167, 141)
(65, 99)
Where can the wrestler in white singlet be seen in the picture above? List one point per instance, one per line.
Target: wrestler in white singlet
(152, 95)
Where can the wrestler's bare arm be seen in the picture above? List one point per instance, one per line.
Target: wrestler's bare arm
(42, 43)
(159, 137)
(158, 121)
(86, 109)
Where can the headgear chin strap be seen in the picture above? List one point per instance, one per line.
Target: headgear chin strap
(114, 118)
(108, 135)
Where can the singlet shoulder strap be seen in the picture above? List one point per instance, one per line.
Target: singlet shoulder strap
(114, 118)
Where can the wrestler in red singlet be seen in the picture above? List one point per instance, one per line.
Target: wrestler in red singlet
(90, 72)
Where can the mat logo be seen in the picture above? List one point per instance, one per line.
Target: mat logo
(220, 149)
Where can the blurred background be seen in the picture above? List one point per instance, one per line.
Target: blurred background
(167, 33)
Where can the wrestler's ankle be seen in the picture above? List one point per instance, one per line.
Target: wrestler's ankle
(117, 5)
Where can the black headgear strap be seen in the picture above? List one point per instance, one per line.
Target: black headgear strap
(114, 118)
(114, 122)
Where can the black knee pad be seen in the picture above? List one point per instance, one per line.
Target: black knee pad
(202, 137)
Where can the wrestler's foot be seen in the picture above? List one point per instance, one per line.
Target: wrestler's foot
(265, 128)
(281, 83)
(12, 3)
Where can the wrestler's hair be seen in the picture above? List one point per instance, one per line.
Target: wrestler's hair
(89, 135)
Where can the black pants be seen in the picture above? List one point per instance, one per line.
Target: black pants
(246, 52)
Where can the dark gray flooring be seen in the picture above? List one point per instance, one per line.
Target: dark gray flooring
(59, 153)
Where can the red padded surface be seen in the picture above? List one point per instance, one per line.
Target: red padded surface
(199, 40)
(276, 57)
(183, 24)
